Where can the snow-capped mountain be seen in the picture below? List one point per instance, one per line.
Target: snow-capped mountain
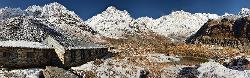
(111, 23)
(11, 12)
(178, 25)
(244, 12)
(53, 15)
(59, 18)
(143, 24)
(21, 28)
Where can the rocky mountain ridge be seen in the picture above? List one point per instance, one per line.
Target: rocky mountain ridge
(224, 32)
(53, 16)
(114, 23)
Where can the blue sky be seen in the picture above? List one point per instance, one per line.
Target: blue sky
(138, 8)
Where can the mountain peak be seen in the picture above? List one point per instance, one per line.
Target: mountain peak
(114, 10)
(55, 5)
(111, 23)
(244, 11)
(111, 8)
(47, 10)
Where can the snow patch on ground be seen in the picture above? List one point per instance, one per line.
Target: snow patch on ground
(21, 73)
(216, 70)
(171, 72)
(110, 68)
(27, 44)
(204, 70)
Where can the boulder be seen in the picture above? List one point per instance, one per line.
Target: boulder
(238, 64)
(55, 72)
(180, 72)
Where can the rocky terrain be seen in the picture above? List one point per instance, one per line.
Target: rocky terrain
(224, 32)
(181, 44)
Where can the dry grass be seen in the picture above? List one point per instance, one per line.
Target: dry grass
(152, 43)
(135, 46)
(140, 44)
(90, 74)
(203, 51)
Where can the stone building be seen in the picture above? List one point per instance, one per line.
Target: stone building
(72, 52)
(53, 49)
(24, 54)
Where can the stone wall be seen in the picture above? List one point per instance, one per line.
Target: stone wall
(59, 49)
(24, 57)
(76, 57)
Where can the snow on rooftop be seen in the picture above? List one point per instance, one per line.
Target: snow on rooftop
(26, 44)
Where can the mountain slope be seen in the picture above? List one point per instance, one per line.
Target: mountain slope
(11, 12)
(177, 26)
(111, 23)
(229, 32)
(21, 28)
(66, 22)
(32, 24)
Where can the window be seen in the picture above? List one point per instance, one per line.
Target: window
(93, 53)
(4, 54)
(45, 54)
(83, 55)
(30, 55)
(89, 53)
(73, 56)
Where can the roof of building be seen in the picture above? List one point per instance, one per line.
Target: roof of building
(70, 43)
(24, 44)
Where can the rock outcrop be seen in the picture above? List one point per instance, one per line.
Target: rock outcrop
(55, 72)
(238, 64)
(224, 32)
(21, 73)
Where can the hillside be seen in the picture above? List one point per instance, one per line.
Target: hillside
(29, 24)
(224, 32)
